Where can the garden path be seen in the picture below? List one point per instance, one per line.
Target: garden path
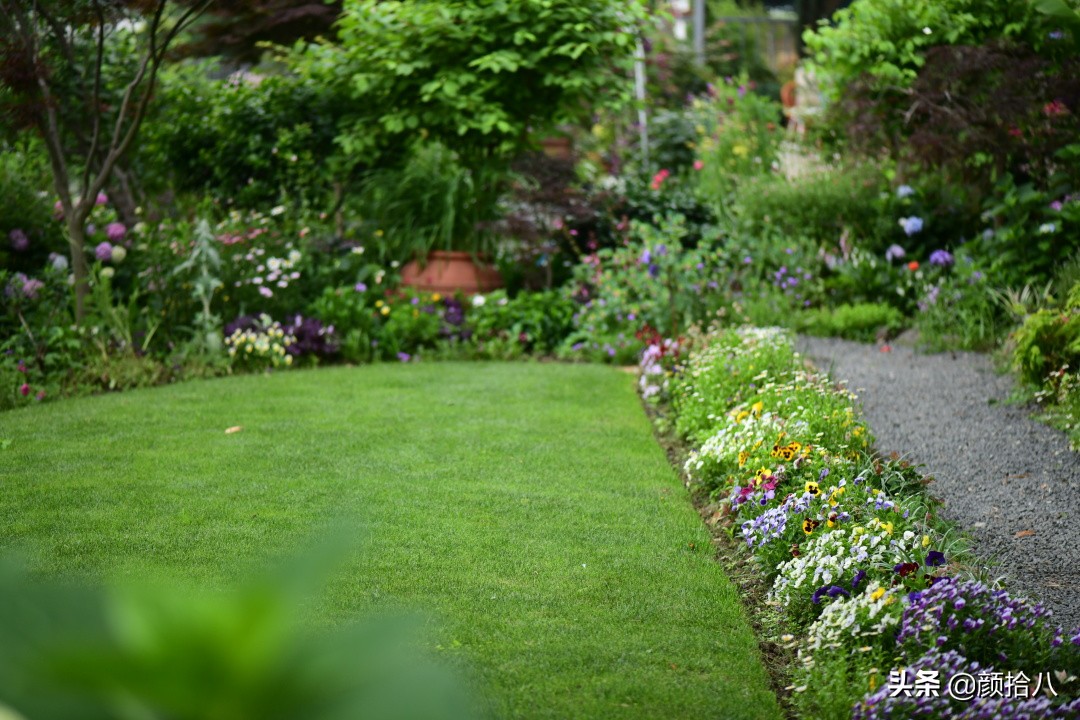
(1009, 481)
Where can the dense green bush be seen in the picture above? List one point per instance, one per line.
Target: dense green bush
(249, 140)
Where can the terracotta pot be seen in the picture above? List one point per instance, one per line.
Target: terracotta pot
(450, 272)
(558, 147)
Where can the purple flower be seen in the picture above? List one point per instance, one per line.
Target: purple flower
(747, 260)
(102, 199)
(103, 252)
(30, 288)
(911, 225)
(404, 357)
(19, 241)
(942, 258)
(905, 191)
(823, 474)
(895, 252)
(646, 257)
(859, 577)
(1056, 206)
(265, 291)
(935, 558)
(115, 231)
(661, 250)
(360, 287)
(654, 270)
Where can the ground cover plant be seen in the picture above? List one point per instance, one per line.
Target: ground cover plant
(871, 585)
(526, 508)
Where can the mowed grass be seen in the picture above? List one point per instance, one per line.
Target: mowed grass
(525, 508)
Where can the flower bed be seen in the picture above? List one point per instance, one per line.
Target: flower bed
(879, 598)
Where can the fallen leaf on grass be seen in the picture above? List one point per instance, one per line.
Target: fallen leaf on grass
(233, 429)
(1024, 533)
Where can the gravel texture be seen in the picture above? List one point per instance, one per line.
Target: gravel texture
(1001, 475)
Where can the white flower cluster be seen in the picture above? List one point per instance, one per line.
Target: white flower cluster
(833, 558)
(720, 453)
(866, 614)
(269, 343)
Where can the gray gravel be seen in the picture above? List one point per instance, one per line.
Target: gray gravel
(999, 472)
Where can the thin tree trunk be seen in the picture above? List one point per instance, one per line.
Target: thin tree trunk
(122, 195)
(79, 265)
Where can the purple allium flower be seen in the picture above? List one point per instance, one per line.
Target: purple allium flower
(911, 225)
(30, 288)
(19, 241)
(941, 258)
(102, 199)
(905, 191)
(404, 357)
(103, 252)
(1056, 206)
(895, 252)
(360, 287)
(115, 231)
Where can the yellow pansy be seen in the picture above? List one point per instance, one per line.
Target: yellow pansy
(877, 594)
(926, 541)
(758, 407)
(741, 416)
(743, 457)
(887, 527)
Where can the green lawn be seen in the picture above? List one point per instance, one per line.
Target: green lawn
(526, 507)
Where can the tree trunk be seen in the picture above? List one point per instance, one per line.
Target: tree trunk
(122, 195)
(79, 265)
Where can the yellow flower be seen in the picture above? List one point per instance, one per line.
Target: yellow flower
(832, 520)
(740, 150)
(887, 527)
(758, 407)
(809, 526)
(436, 297)
(385, 310)
(877, 594)
(743, 457)
(741, 416)
(813, 488)
(926, 541)
(378, 303)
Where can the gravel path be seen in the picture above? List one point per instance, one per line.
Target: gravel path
(999, 472)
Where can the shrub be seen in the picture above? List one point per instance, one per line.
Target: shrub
(864, 321)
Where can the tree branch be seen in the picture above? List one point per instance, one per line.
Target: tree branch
(95, 102)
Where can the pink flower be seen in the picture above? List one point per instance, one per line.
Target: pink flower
(659, 178)
(102, 199)
(58, 210)
(41, 395)
(115, 231)
(265, 291)
(24, 389)
(103, 252)
(698, 164)
(30, 288)
(19, 241)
